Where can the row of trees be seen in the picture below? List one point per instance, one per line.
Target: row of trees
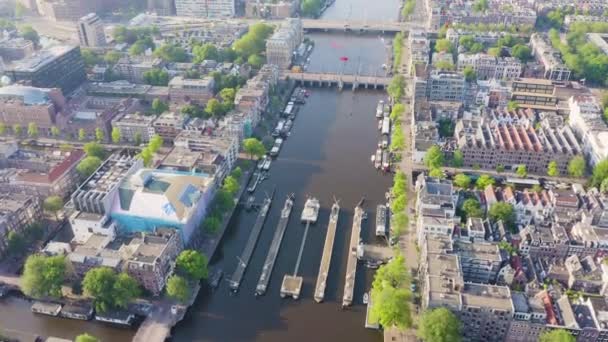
(147, 153)
(396, 87)
(399, 218)
(397, 51)
(95, 154)
(391, 295)
(408, 8)
(253, 42)
(191, 267)
(584, 58)
(223, 202)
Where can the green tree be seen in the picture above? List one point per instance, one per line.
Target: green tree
(480, 6)
(434, 157)
(53, 204)
(463, 181)
(89, 57)
(443, 45)
(158, 106)
(156, 142)
(227, 95)
(512, 105)
(503, 211)
(82, 134)
(472, 208)
(396, 88)
(445, 65)
(214, 108)
(483, 181)
(146, 155)
(178, 289)
(254, 41)
(556, 335)
(86, 338)
(231, 185)
(32, 130)
(109, 290)
(600, 172)
(469, 74)
(495, 51)
(88, 165)
(28, 33)
(43, 276)
(55, 131)
(171, 53)
(237, 173)
(522, 171)
(254, 147)
(211, 224)
(2, 128)
(156, 77)
(577, 167)
(311, 8)
(94, 149)
(223, 200)
(256, 61)
(399, 222)
(439, 325)
(204, 52)
(17, 129)
(99, 135)
(458, 159)
(436, 173)
(15, 243)
(522, 52)
(192, 264)
(112, 57)
(397, 112)
(389, 295)
(552, 169)
(116, 135)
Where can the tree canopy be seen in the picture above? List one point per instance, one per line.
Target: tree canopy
(522, 171)
(311, 8)
(461, 180)
(600, 172)
(178, 289)
(577, 166)
(192, 264)
(434, 157)
(88, 165)
(254, 41)
(472, 208)
(109, 289)
(469, 74)
(396, 88)
(116, 135)
(390, 297)
(28, 33)
(483, 181)
(156, 77)
(171, 53)
(439, 325)
(254, 147)
(556, 335)
(552, 169)
(43, 276)
(503, 211)
(86, 338)
(94, 149)
(443, 45)
(158, 106)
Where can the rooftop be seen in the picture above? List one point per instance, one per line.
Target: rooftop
(41, 58)
(29, 95)
(487, 296)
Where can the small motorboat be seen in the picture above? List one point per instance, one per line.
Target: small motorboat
(365, 298)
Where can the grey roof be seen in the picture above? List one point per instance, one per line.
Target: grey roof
(30, 95)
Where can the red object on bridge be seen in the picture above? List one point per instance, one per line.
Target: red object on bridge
(344, 58)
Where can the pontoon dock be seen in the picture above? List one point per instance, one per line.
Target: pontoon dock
(243, 261)
(273, 251)
(327, 252)
(351, 266)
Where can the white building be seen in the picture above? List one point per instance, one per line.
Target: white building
(282, 44)
(487, 67)
(550, 58)
(586, 121)
(90, 31)
(205, 9)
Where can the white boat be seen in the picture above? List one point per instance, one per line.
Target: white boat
(311, 210)
(386, 126)
(380, 109)
(378, 159)
(381, 220)
(380, 124)
(274, 151)
(384, 143)
(373, 158)
(365, 298)
(386, 162)
(266, 164)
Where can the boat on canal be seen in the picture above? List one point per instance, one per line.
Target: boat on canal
(311, 210)
(257, 178)
(378, 159)
(381, 220)
(274, 151)
(386, 126)
(380, 109)
(380, 124)
(386, 161)
(266, 163)
(384, 142)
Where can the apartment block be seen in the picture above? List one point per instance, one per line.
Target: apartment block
(15, 48)
(283, 42)
(587, 122)
(135, 126)
(205, 9)
(486, 66)
(214, 143)
(59, 66)
(17, 211)
(197, 91)
(488, 145)
(169, 124)
(90, 31)
(20, 105)
(445, 85)
(551, 59)
(132, 68)
(534, 93)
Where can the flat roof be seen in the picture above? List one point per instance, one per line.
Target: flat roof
(41, 58)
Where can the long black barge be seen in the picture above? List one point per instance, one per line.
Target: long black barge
(243, 261)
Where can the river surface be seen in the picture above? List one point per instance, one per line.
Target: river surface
(326, 156)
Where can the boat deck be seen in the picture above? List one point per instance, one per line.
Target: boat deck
(351, 265)
(381, 253)
(291, 286)
(326, 258)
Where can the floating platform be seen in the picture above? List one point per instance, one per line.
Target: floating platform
(327, 252)
(43, 308)
(369, 323)
(311, 210)
(275, 245)
(237, 276)
(291, 286)
(351, 265)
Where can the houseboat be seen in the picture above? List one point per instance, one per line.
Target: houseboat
(381, 227)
